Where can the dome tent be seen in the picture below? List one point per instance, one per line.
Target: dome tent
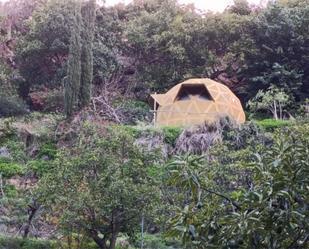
(196, 101)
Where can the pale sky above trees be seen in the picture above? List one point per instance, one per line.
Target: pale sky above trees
(213, 5)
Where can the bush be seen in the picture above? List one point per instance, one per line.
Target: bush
(134, 111)
(156, 241)
(48, 149)
(11, 106)
(39, 167)
(272, 124)
(9, 169)
(270, 211)
(19, 243)
(16, 149)
(10, 191)
(171, 134)
(47, 100)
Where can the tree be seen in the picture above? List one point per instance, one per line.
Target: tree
(240, 7)
(271, 212)
(88, 14)
(73, 78)
(279, 39)
(102, 186)
(273, 100)
(169, 43)
(41, 53)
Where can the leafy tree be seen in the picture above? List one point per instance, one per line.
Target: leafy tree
(273, 100)
(170, 43)
(101, 187)
(240, 7)
(271, 212)
(277, 54)
(72, 80)
(41, 53)
(108, 45)
(87, 53)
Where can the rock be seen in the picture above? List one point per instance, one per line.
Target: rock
(45, 158)
(3, 228)
(4, 152)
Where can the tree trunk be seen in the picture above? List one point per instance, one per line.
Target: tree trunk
(100, 242)
(115, 229)
(9, 30)
(31, 211)
(113, 240)
(280, 110)
(275, 111)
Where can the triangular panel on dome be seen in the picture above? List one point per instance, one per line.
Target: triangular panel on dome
(196, 101)
(190, 91)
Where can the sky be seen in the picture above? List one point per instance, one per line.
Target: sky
(213, 5)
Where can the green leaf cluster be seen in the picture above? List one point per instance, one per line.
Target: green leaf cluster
(268, 210)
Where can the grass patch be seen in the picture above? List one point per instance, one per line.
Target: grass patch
(272, 124)
(9, 169)
(19, 243)
(171, 134)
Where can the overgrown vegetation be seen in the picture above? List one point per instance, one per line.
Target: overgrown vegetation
(82, 165)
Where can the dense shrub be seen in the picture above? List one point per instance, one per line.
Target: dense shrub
(156, 241)
(48, 149)
(47, 100)
(16, 148)
(270, 212)
(134, 111)
(9, 169)
(11, 106)
(271, 124)
(18, 243)
(171, 134)
(10, 191)
(39, 167)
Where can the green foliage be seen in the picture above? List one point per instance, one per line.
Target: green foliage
(87, 34)
(39, 167)
(304, 109)
(16, 148)
(10, 191)
(151, 45)
(107, 176)
(41, 52)
(134, 111)
(250, 190)
(132, 131)
(9, 169)
(272, 124)
(273, 100)
(19, 243)
(248, 135)
(271, 212)
(240, 7)
(11, 106)
(171, 134)
(6, 85)
(269, 60)
(72, 81)
(47, 100)
(48, 149)
(156, 241)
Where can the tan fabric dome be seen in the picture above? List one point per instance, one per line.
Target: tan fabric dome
(196, 101)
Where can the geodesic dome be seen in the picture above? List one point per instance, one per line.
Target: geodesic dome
(196, 101)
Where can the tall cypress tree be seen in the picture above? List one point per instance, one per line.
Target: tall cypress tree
(73, 78)
(88, 14)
